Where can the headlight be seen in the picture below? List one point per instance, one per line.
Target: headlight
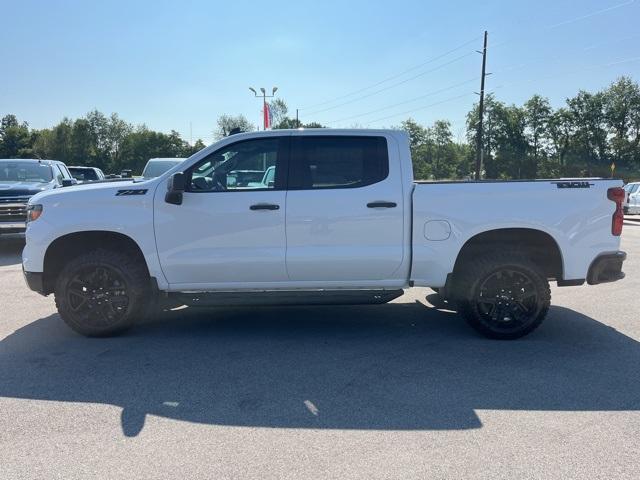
(33, 212)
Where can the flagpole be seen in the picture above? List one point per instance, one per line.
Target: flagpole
(265, 113)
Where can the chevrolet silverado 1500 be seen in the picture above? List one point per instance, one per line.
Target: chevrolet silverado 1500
(342, 222)
(20, 179)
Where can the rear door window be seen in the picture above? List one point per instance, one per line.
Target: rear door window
(326, 162)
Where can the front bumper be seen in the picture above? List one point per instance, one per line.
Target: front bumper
(35, 281)
(606, 268)
(12, 227)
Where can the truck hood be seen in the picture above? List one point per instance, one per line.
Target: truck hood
(22, 189)
(90, 190)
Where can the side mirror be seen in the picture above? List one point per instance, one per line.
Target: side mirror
(175, 189)
(67, 182)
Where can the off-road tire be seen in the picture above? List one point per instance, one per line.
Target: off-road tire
(114, 294)
(508, 283)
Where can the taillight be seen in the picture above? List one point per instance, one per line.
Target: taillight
(617, 194)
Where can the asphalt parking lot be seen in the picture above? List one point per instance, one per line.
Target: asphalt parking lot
(404, 390)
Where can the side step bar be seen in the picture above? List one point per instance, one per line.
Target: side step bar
(274, 297)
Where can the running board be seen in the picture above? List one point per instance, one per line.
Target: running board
(275, 297)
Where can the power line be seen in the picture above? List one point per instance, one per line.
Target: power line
(582, 69)
(483, 76)
(589, 15)
(435, 92)
(393, 77)
(315, 112)
(420, 108)
(521, 39)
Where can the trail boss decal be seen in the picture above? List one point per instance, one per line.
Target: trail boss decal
(132, 191)
(573, 184)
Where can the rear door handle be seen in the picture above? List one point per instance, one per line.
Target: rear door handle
(382, 205)
(264, 206)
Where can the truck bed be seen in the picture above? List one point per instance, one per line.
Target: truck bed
(575, 213)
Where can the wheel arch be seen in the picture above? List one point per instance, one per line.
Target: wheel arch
(69, 246)
(537, 244)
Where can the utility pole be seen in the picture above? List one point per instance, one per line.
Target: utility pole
(480, 152)
(265, 118)
(297, 121)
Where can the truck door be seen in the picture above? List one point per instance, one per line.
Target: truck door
(344, 209)
(230, 227)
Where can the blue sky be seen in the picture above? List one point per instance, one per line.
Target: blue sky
(175, 64)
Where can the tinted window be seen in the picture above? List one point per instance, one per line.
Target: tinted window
(337, 162)
(634, 188)
(84, 173)
(240, 166)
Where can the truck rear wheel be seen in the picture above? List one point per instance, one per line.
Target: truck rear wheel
(503, 296)
(102, 293)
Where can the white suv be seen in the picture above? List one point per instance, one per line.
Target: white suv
(631, 203)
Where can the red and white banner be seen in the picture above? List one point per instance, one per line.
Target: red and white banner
(267, 116)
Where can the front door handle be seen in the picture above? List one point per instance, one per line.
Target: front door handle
(382, 205)
(264, 206)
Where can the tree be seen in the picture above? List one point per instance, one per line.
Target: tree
(589, 139)
(622, 115)
(278, 109)
(537, 114)
(560, 131)
(227, 123)
(15, 139)
(418, 147)
(492, 108)
(142, 144)
(9, 121)
(443, 161)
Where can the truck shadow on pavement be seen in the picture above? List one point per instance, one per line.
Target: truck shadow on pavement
(396, 366)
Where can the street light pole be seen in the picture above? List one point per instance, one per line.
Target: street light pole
(264, 96)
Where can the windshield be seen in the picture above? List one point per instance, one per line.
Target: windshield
(155, 169)
(24, 172)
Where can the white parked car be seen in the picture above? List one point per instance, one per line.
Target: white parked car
(343, 222)
(86, 174)
(157, 166)
(631, 204)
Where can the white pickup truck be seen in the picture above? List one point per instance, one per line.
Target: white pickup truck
(342, 222)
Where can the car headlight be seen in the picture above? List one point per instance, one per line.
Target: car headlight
(33, 212)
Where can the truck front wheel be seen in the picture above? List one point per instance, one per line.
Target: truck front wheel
(101, 293)
(503, 296)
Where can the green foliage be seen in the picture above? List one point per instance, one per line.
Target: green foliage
(227, 123)
(107, 142)
(582, 138)
(435, 155)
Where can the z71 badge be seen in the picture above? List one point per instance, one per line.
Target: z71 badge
(132, 191)
(573, 184)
